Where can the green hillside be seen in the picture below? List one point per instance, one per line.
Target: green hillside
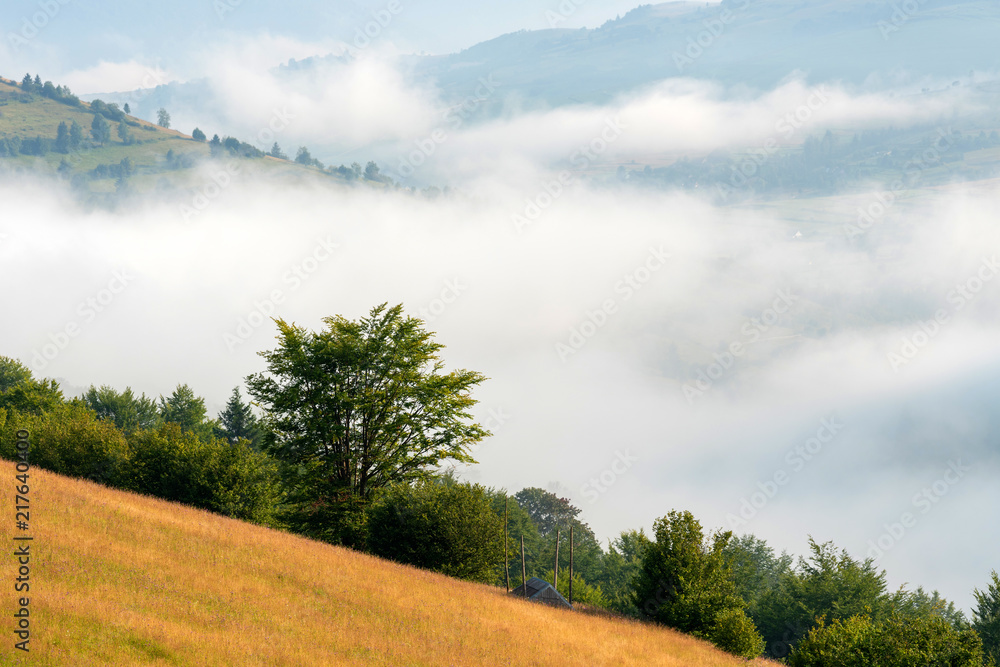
(147, 158)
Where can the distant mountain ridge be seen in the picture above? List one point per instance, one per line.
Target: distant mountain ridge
(862, 43)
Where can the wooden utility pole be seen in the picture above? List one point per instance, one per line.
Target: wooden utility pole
(506, 554)
(555, 575)
(524, 578)
(571, 564)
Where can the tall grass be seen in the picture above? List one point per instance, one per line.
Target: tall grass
(122, 579)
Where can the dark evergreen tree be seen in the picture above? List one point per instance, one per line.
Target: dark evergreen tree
(237, 421)
(75, 135)
(62, 138)
(100, 129)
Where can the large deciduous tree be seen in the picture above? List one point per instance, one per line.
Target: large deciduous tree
(356, 407)
(986, 617)
(686, 582)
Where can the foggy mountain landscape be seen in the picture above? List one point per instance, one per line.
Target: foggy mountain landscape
(739, 258)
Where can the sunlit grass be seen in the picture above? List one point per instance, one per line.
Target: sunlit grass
(123, 579)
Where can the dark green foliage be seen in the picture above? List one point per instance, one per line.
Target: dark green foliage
(187, 411)
(619, 568)
(69, 440)
(919, 604)
(198, 135)
(277, 152)
(859, 641)
(237, 422)
(438, 525)
(372, 172)
(734, 632)
(109, 111)
(122, 170)
(685, 581)
(126, 411)
(756, 569)
(238, 148)
(550, 513)
(32, 396)
(212, 474)
(304, 158)
(10, 146)
(163, 118)
(100, 129)
(829, 583)
(359, 406)
(986, 617)
(12, 373)
(38, 146)
(519, 524)
(546, 509)
(125, 134)
(127, 109)
(75, 135)
(62, 138)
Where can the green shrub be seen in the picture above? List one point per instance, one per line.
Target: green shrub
(734, 632)
(70, 440)
(896, 642)
(438, 525)
(212, 474)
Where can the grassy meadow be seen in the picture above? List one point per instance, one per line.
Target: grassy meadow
(122, 579)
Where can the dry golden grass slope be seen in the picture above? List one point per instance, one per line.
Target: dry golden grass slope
(121, 579)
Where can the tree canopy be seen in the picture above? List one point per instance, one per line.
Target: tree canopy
(358, 406)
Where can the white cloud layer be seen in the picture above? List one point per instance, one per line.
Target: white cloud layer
(598, 346)
(517, 297)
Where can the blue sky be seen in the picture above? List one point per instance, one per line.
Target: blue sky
(66, 37)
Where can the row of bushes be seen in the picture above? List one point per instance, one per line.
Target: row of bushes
(823, 611)
(170, 451)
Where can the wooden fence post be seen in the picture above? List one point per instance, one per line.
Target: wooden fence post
(524, 579)
(555, 570)
(506, 553)
(571, 564)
